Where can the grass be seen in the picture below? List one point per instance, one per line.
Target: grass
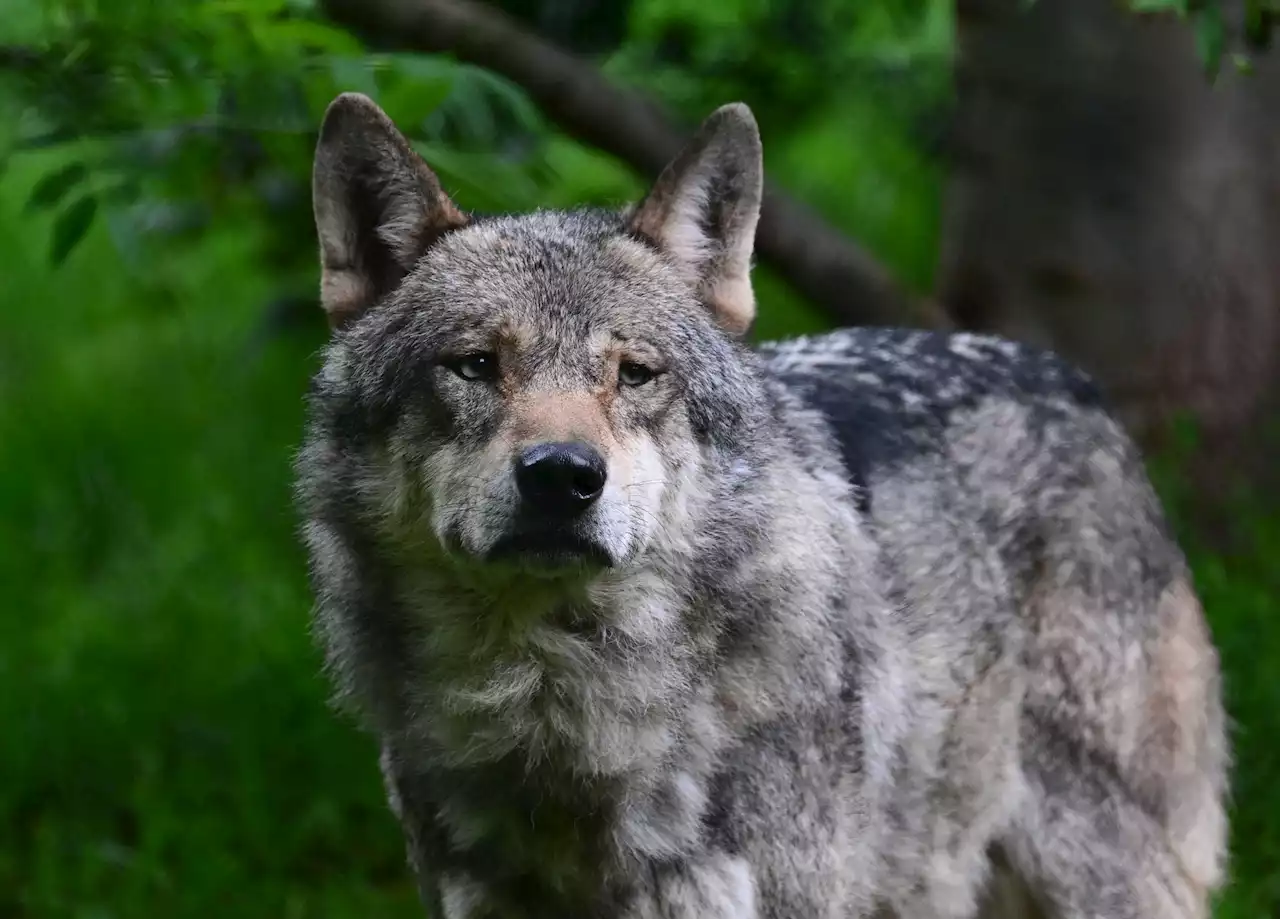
(168, 751)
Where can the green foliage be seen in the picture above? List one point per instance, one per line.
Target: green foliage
(185, 116)
(168, 749)
(851, 98)
(180, 117)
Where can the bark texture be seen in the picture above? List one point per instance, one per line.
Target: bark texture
(1108, 200)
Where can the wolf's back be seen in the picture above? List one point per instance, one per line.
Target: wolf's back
(993, 476)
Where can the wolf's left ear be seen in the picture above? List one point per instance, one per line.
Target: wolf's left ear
(377, 206)
(704, 208)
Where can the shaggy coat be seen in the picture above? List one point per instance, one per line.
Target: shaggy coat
(650, 623)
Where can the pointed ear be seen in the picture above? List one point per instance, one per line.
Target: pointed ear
(377, 207)
(704, 208)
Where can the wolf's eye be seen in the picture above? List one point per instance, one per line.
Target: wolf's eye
(632, 374)
(474, 367)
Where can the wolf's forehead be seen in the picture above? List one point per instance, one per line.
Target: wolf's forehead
(544, 271)
(540, 242)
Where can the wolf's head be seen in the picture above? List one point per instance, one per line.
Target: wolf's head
(539, 389)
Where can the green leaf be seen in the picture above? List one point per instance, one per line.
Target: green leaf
(47, 139)
(1159, 6)
(290, 35)
(71, 226)
(409, 95)
(54, 187)
(1211, 38)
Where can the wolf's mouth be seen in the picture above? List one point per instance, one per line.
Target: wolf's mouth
(549, 550)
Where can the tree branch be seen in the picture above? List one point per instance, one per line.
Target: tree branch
(817, 260)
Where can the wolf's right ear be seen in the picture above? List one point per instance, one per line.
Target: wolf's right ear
(703, 211)
(378, 207)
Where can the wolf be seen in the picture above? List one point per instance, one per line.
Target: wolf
(653, 623)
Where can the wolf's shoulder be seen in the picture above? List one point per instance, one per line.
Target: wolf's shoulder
(889, 394)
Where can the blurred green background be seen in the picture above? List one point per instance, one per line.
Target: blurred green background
(167, 749)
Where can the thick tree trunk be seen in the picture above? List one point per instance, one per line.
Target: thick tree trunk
(1109, 201)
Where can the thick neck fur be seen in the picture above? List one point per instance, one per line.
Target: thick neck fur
(616, 696)
(595, 676)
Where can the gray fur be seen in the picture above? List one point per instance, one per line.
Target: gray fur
(882, 623)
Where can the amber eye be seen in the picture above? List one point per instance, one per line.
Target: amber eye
(632, 374)
(474, 367)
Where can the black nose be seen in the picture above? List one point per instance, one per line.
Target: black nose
(560, 478)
